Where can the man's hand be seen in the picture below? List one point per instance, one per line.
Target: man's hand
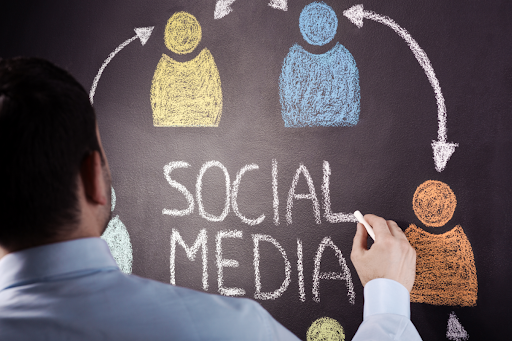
(391, 256)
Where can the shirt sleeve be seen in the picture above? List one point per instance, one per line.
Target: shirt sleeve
(386, 313)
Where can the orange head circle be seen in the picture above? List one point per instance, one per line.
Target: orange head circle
(434, 203)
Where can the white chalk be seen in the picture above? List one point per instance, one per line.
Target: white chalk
(360, 217)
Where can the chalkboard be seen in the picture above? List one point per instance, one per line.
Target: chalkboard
(242, 134)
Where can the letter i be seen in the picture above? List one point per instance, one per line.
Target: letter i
(300, 271)
(274, 192)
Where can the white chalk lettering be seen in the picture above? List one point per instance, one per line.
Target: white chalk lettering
(343, 275)
(287, 269)
(226, 263)
(201, 241)
(332, 217)
(190, 199)
(199, 197)
(234, 195)
(274, 192)
(300, 271)
(311, 196)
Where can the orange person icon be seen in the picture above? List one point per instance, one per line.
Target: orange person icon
(445, 265)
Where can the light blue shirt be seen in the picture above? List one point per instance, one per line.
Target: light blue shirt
(74, 291)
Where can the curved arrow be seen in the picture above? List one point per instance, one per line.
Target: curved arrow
(442, 150)
(223, 7)
(143, 33)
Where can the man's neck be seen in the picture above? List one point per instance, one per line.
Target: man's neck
(3, 252)
(81, 232)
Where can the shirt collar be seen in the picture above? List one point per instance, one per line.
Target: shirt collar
(58, 259)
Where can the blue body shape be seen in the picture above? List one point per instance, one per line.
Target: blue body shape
(319, 89)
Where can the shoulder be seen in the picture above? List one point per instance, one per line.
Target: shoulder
(210, 316)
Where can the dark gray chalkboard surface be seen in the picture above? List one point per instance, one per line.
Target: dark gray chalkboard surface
(308, 126)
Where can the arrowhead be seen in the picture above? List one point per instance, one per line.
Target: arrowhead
(455, 330)
(355, 14)
(279, 4)
(144, 33)
(222, 8)
(442, 153)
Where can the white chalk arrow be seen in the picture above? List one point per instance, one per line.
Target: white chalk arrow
(223, 7)
(279, 4)
(143, 33)
(442, 149)
(455, 331)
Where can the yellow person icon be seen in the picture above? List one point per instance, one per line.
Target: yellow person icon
(186, 94)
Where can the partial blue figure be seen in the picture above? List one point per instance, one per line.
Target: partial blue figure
(319, 89)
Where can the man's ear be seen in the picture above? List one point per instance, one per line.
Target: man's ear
(93, 179)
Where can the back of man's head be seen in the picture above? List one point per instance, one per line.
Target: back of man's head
(47, 128)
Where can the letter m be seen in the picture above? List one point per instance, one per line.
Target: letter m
(191, 254)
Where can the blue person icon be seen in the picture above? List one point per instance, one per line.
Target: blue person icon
(319, 89)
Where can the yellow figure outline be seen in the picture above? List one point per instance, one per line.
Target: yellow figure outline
(186, 94)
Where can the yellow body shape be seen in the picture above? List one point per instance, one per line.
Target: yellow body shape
(187, 94)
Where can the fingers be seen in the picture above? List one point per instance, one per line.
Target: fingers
(395, 230)
(380, 227)
(360, 240)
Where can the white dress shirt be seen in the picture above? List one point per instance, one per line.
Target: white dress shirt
(386, 313)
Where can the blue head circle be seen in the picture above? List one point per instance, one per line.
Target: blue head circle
(318, 23)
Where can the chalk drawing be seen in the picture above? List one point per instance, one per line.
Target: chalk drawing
(325, 329)
(319, 89)
(311, 196)
(445, 265)
(434, 203)
(226, 263)
(300, 271)
(274, 192)
(112, 199)
(223, 7)
(118, 239)
(143, 33)
(445, 268)
(442, 150)
(279, 4)
(455, 331)
(186, 94)
(332, 217)
(182, 189)
(199, 190)
(201, 242)
(234, 195)
(343, 275)
(318, 23)
(287, 269)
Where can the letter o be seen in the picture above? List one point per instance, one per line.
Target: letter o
(199, 197)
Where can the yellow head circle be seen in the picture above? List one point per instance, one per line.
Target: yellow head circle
(182, 33)
(325, 329)
(434, 203)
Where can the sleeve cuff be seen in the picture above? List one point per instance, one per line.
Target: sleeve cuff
(386, 296)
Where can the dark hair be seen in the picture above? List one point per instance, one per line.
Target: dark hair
(47, 128)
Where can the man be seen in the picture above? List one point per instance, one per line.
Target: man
(58, 280)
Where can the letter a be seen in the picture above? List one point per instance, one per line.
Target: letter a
(343, 275)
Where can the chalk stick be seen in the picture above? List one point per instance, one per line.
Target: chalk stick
(360, 218)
